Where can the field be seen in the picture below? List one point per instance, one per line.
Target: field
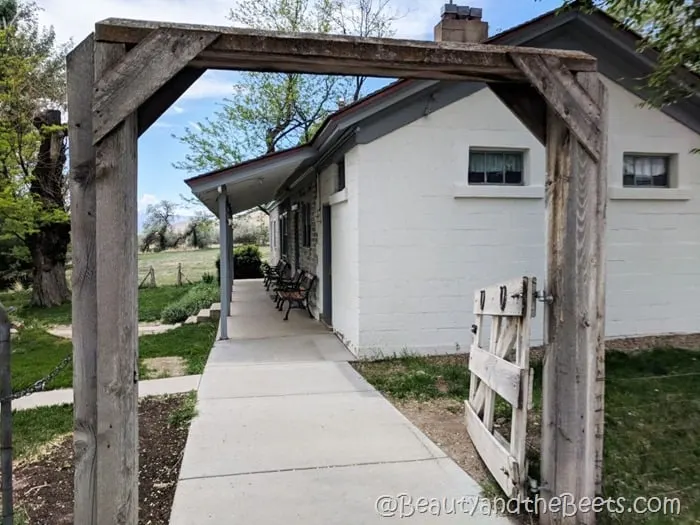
(194, 264)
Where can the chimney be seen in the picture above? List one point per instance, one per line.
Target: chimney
(461, 24)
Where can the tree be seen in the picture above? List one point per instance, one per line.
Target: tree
(159, 226)
(33, 149)
(200, 231)
(671, 27)
(271, 111)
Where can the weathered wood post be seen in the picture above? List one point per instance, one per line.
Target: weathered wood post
(80, 75)
(573, 375)
(117, 303)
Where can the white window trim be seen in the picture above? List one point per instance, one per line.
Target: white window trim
(678, 189)
(619, 193)
(338, 197)
(524, 152)
(497, 191)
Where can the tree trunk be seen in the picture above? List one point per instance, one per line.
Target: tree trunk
(49, 244)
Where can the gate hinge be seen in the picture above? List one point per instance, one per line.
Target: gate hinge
(544, 297)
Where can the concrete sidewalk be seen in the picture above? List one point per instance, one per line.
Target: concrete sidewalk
(149, 387)
(288, 433)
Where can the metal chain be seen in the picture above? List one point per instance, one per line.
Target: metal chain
(40, 385)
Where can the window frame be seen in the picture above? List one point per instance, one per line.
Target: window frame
(668, 161)
(496, 151)
(340, 175)
(306, 224)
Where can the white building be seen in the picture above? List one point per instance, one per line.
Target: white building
(408, 201)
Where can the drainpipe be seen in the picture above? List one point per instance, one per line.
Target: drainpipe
(224, 254)
(229, 230)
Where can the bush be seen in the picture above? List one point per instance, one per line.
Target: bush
(200, 296)
(247, 262)
(245, 238)
(207, 278)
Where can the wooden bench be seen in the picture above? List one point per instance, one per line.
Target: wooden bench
(297, 297)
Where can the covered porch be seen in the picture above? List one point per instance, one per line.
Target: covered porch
(253, 316)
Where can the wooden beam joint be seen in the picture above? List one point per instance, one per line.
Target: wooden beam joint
(141, 73)
(566, 96)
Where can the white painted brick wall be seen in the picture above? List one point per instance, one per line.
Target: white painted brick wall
(423, 252)
(344, 255)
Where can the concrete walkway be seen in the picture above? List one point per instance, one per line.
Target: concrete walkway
(149, 387)
(288, 433)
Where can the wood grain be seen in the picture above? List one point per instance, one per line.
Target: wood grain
(117, 314)
(565, 95)
(498, 374)
(572, 389)
(143, 71)
(80, 75)
(256, 50)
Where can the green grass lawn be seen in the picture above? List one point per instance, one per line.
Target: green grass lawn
(35, 352)
(34, 428)
(151, 304)
(31, 429)
(652, 419)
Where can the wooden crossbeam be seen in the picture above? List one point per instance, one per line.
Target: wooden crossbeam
(569, 100)
(527, 104)
(255, 50)
(141, 73)
(166, 96)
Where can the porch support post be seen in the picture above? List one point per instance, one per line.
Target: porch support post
(229, 231)
(117, 311)
(224, 255)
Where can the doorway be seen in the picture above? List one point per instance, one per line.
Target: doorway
(327, 268)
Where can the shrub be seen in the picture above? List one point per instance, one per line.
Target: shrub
(247, 262)
(245, 238)
(207, 278)
(201, 295)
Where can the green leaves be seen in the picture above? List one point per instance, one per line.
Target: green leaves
(670, 27)
(267, 112)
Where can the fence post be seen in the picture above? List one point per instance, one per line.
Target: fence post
(179, 274)
(153, 277)
(5, 418)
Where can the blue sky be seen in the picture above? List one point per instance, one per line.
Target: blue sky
(158, 179)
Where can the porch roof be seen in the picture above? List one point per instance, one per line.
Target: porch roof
(251, 183)
(261, 180)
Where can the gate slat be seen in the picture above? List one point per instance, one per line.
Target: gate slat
(490, 301)
(495, 456)
(498, 374)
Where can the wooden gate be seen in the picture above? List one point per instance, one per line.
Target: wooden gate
(502, 368)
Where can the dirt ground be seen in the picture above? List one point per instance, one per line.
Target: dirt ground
(442, 420)
(44, 487)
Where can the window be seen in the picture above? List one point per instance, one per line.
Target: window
(495, 167)
(341, 175)
(273, 230)
(306, 224)
(646, 171)
(284, 235)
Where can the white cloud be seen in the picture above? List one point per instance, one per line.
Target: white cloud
(420, 15)
(146, 200)
(213, 84)
(178, 109)
(194, 125)
(78, 23)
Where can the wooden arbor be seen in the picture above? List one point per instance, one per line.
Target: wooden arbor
(126, 74)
